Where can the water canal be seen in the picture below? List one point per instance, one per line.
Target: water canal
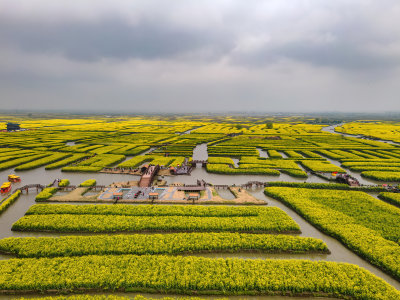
(339, 253)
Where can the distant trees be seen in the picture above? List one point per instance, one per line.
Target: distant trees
(238, 126)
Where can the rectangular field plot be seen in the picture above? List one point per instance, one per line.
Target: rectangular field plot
(192, 274)
(172, 243)
(368, 226)
(118, 218)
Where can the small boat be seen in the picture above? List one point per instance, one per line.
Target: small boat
(6, 187)
(14, 178)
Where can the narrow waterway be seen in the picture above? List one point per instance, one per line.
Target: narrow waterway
(200, 152)
(283, 154)
(199, 173)
(362, 180)
(339, 253)
(190, 130)
(262, 153)
(331, 129)
(235, 162)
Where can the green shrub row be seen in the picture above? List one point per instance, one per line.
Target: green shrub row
(66, 161)
(88, 183)
(329, 154)
(175, 243)
(225, 169)
(42, 161)
(80, 148)
(280, 164)
(382, 175)
(81, 169)
(330, 186)
(310, 154)
(321, 166)
(295, 173)
(102, 160)
(9, 200)
(293, 154)
(364, 224)
(113, 297)
(274, 154)
(20, 161)
(46, 194)
(269, 219)
(146, 210)
(135, 161)
(131, 150)
(179, 274)
(392, 198)
(374, 168)
(10, 151)
(221, 160)
(63, 182)
(105, 149)
(16, 155)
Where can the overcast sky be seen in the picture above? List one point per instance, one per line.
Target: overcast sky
(200, 55)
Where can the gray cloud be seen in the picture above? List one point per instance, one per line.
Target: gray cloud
(109, 38)
(338, 54)
(182, 55)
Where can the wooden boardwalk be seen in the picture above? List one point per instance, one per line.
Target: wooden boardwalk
(252, 184)
(202, 162)
(67, 188)
(148, 176)
(31, 186)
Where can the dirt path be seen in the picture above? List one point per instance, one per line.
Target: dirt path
(241, 197)
(75, 196)
(125, 184)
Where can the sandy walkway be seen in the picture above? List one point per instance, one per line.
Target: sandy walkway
(76, 196)
(125, 184)
(242, 197)
(170, 196)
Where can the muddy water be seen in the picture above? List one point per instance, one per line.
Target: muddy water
(283, 154)
(200, 152)
(235, 162)
(190, 130)
(262, 153)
